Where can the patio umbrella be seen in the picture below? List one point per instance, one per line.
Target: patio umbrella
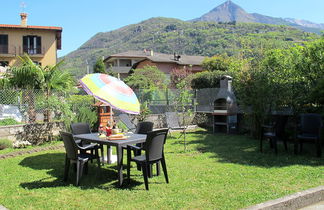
(112, 91)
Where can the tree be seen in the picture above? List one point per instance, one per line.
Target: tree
(54, 79)
(217, 63)
(29, 77)
(179, 74)
(146, 78)
(99, 66)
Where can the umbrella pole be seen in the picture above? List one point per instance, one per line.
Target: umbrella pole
(109, 149)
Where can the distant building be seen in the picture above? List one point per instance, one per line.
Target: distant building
(39, 42)
(122, 63)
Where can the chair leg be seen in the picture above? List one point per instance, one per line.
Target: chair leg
(91, 152)
(80, 170)
(128, 165)
(98, 158)
(150, 170)
(285, 143)
(102, 154)
(295, 147)
(261, 139)
(158, 171)
(86, 168)
(145, 175)
(66, 168)
(78, 173)
(164, 170)
(274, 143)
(137, 153)
(318, 148)
(271, 143)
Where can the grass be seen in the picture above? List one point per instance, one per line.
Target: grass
(216, 172)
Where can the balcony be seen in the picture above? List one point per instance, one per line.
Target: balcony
(34, 51)
(120, 69)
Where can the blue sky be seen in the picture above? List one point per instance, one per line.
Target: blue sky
(82, 19)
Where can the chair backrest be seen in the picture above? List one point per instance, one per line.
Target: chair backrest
(310, 123)
(126, 120)
(80, 128)
(154, 144)
(280, 125)
(172, 120)
(144, 127)
(70, 146)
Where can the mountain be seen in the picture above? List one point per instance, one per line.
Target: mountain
(305, 23)
(227, 12)
(231, 12)
(168, 35)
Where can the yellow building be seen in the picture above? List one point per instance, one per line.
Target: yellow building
(39, 42)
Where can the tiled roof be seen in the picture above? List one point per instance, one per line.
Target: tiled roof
(160, 57)
(31, 27)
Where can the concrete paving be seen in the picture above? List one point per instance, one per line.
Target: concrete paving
(312, 199)
(316, 206)
(2, 208)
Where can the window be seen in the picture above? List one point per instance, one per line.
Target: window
(3, 44)
(32, 45)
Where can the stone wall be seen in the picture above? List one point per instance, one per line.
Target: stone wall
(34, 133)
(40, 132)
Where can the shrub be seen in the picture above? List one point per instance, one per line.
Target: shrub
(5, 143)
(207, 79)
(8, 121)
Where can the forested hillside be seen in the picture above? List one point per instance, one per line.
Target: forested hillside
(167, 35)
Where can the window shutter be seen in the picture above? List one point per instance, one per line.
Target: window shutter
(25, 44)
(39, 45)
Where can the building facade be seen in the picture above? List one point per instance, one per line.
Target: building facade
(122, 63)
(39, 42)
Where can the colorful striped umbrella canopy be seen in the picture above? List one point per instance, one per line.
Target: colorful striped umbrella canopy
(112, 91)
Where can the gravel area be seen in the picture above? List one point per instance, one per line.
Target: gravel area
(38, 149)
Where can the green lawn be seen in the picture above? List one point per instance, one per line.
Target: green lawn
(216, 172)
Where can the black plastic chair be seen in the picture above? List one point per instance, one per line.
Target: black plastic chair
(72, 156)
(154, 153)
(275, 133)
(309, 130)
(83, 128)
(142, 128)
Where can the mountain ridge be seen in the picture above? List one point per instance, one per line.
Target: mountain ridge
(231, 12)
(193, 37)
(169, 35)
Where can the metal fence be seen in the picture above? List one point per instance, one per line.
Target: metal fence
(35, 105)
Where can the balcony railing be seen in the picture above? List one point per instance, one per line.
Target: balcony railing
(119, 69)
(32, 50)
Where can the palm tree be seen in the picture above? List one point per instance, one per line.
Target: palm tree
(27, 76)
(55, 79)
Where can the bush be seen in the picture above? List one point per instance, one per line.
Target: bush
(5, 143)
(207, 79)
(8, 121)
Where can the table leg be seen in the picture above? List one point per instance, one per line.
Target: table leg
(120, 165)
(109, 154)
